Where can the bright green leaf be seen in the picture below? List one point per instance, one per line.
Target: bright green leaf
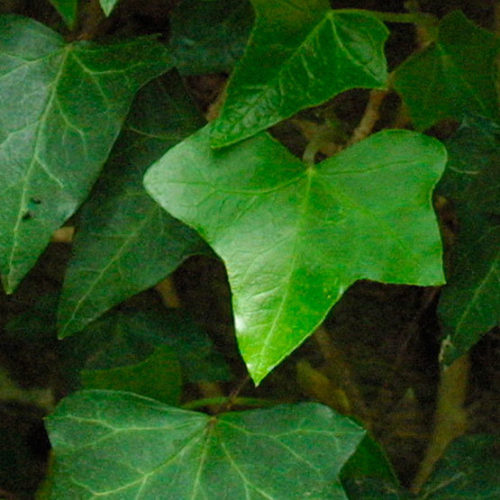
(119, 445)
(157, 377)
(293, 238)
(67, 9)
(300, 54)
(469, 469)
(470, 303)
(62, 108)
(209, 37)
(108, 5)
(125, 242)
(454, 75)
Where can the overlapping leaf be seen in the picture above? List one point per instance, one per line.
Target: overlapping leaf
(454, 75)
(108, 5)
(468, 469)
(470, 303)
(67, 9)
(125, 242)
(300, 54)
(294, 238)
(119, 445)
(208, 37)
(62, 108)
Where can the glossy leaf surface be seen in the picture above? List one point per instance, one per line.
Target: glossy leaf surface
(300, 54)
(108, 5)
(293, 238)
(62, 108)
(119, 445)
(125, 242)
(468, 469)
(67, 9)
(470, 303)
(453, 76)
(208, 37)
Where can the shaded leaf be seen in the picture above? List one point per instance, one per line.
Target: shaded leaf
(157, 377)
(454, 75)
(208, 37)
(125, 242)
(469, 469)
(67, 9)
(293, 238)
(62, 108)
(470, 303)
(108, 5)
(300, 54)
(287, 452)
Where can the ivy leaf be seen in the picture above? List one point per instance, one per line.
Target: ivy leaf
(293, 238)
(125, 242)
(96, 436)
(469, 469)
(453, 76)
(470, 304)
(63, 106)
(300, 54)
(157, 377)
(209, 37)
(67, 9)
(108, 5)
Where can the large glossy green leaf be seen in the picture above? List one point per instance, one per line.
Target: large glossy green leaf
(208, 37)
(62, 108)
(125, 242)
(469, 469)
(454, 75)
(300, 54)
(108, 5)
(119, 445)
(293, 238)
(470, 303)
(67, 9)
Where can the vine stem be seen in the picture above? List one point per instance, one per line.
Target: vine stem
(450, 419)
(222, 401)
(370, 117)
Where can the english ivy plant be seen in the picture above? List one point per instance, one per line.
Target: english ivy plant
(101, 137)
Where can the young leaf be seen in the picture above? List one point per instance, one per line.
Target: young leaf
(108, 5)
(67, 9)
(470, 304)
(125, 242)
(157, 377)
(454, 75)
(62, 108)
(300, 54)
(208, 37)
(469, 469)
(293, 238)
(111, 444)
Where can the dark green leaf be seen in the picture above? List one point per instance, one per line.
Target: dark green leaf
(129, 335)
(125, 242)
(62, 108)
(108, 5)
(67, 9)
(157, 377)
(454, 75)
(119, 445)
(208, 37)
(293, 238)
(300, 54)
(469, 469)
(470, 303)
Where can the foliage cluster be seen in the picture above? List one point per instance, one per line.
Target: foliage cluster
(346, 146)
